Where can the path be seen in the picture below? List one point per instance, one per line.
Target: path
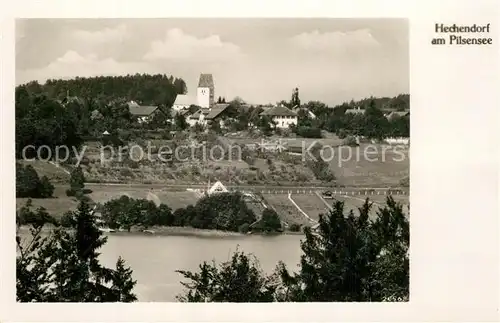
(300, 210)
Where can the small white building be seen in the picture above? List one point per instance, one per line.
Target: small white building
(281, 116)
(218, 187)
(398, 141)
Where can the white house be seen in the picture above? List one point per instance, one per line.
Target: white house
(281, 116)
(218, 187)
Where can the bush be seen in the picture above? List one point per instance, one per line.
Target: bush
(341, 133)
(28, 184)
(350, 141)
(294, 227)
(308, 132)
(66, 220)
(77, 180)
(70, 192)
(244, 228)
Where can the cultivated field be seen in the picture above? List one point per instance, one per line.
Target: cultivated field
(310, 204)
(285, 209)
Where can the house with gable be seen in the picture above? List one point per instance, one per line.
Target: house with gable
(218, 187)
(143, 113)
(281, 116)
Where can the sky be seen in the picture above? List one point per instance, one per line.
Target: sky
(259, 60)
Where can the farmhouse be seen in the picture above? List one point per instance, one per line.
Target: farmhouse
(205, 116)
(281, 116)
(143, 113)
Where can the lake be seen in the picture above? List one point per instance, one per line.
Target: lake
(154, 259)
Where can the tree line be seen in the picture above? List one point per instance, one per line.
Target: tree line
(65, 112)
(223, 211)
(348, 258)
(371, 122)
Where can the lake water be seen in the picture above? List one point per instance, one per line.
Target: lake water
(154, 259)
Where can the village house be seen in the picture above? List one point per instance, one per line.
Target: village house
(143, 113)
(307, 112)
(396, 114)
(281, 116)
(206, 116)
(357, 110)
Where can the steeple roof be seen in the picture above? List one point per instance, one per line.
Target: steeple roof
(206, 80)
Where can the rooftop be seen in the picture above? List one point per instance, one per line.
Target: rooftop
(184, 99)
(210, 114)
(206, 80)
(140, 110)
(278, 111)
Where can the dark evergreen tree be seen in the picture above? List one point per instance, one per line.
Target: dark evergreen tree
(77, 179)
(238, 280)
(64, 266)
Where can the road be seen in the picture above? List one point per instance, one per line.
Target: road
(177, 187)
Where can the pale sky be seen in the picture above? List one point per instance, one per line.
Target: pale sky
(259, 60)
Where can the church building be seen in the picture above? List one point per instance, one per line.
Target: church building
(205, 94)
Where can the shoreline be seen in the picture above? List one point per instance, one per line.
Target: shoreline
(174, 231)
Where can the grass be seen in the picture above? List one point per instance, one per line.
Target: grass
(54, 174)
(310, 204)
(55, 206)
(379, 166)
(285, 209)
(174, 199)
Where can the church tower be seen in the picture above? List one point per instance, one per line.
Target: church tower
(206, 89)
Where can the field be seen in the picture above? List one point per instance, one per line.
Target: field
(285, 209)
(101, 194)
(310, 204)
(370, 165)
(54, 173)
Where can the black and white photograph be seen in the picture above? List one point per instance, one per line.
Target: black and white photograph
(240, 160)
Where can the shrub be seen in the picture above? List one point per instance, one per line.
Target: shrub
(77, 180)
(66, 220)
(294, 227)
(308, 132)
(350, 141)
(244, 228)
(28, 184)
